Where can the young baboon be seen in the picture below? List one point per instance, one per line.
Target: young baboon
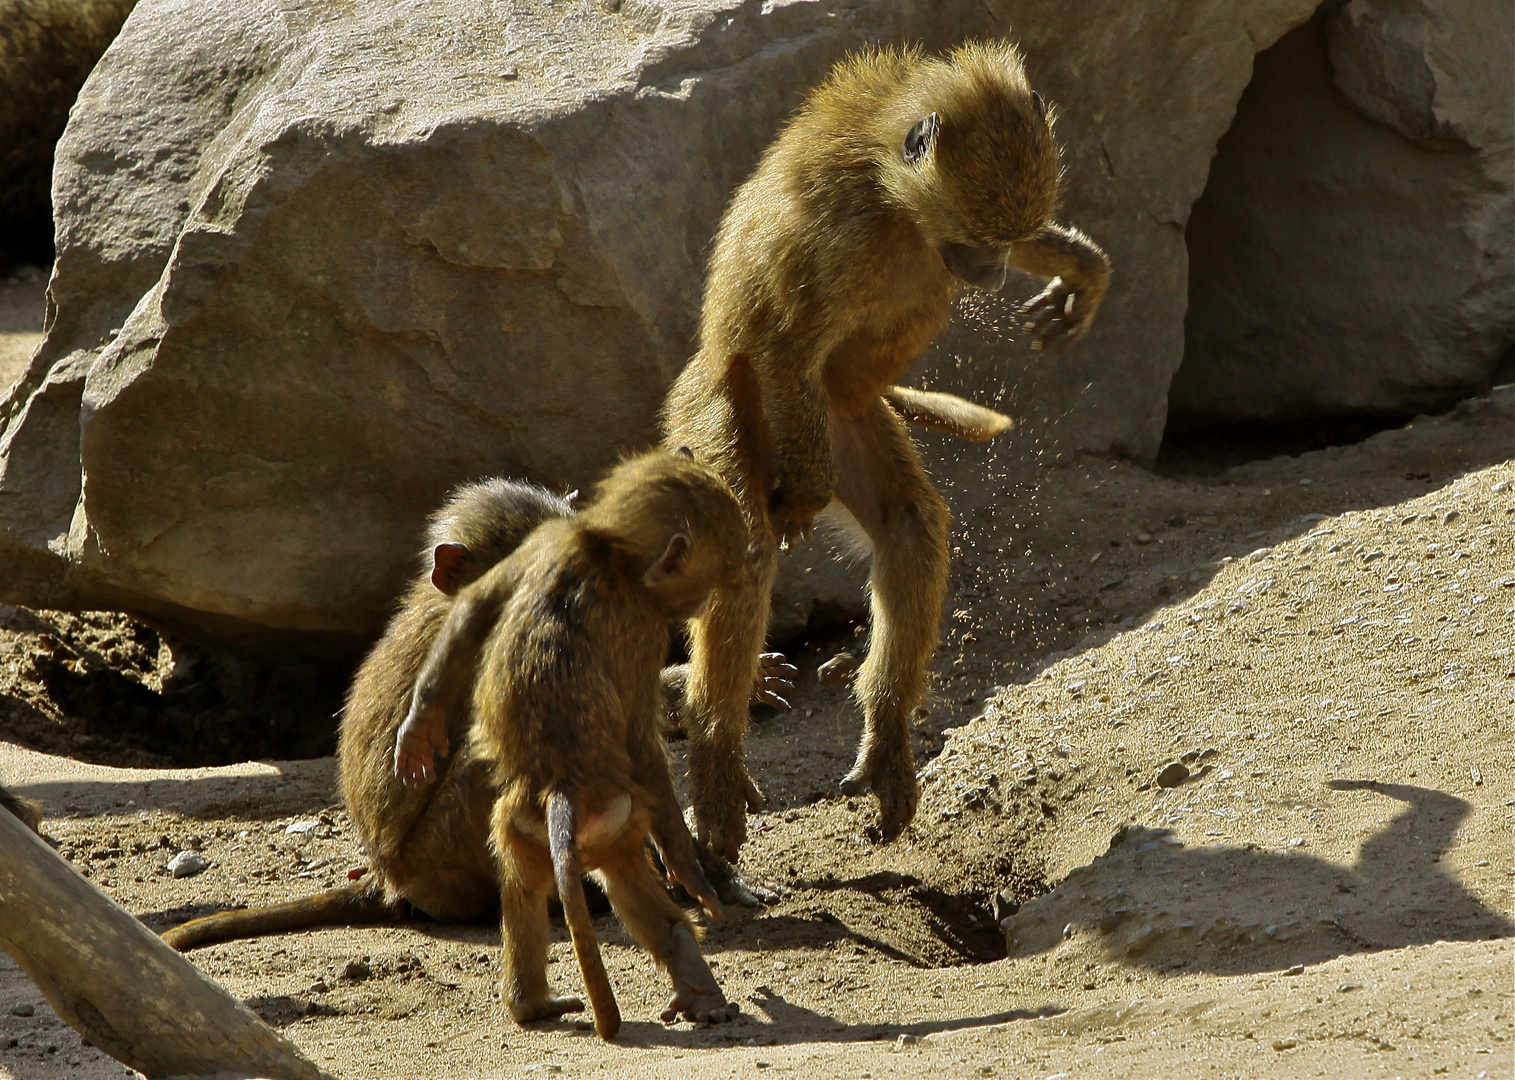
(569, 633)
(428, 846)
(28, 811)
(900, 181)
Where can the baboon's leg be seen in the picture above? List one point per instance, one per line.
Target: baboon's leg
(724, 648)
(641, 903)
(525, 883)
(881, 481)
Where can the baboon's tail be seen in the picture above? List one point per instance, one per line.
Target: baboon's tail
(946, 412)
(562, 834)
(354, 904)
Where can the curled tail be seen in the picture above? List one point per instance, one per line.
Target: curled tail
(353, 904)
(562, 834)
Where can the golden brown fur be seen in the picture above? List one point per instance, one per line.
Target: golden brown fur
(574, 627)
(429, 846)
(28, 811)
(900, 181)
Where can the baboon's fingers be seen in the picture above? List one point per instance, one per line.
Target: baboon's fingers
(840, 670)
(775, 679)
(422, 738)
(756, 800)
(1056, 316)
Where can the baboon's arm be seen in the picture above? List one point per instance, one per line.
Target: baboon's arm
(1080, 273)
(447, 674)
(796, 404)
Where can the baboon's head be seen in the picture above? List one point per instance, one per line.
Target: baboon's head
(676, 525)
(480, 524)
(972, 159)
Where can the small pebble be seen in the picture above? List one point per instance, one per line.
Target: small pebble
(545, 1067)
(302, 828)
(1285, 1044)
(1348, 986)
(187, 864)
(24, 1009)
(1297, 969)
(357, 970)
(906, 1040)
(1143, 538)
(1172, 774)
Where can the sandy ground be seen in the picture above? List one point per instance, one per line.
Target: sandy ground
(20, 330)
(1315, 651)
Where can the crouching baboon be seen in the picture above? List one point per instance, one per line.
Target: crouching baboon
(429, 846)
(28, 811)
(901, 181)
(567, 636)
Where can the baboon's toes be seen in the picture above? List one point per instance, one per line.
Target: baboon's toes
(897, 791)
(548, 1008)
(723, 827)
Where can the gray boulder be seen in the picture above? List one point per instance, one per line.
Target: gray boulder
(318, 264)
(1354, 252)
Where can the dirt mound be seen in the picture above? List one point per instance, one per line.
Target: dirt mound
(1245, 725)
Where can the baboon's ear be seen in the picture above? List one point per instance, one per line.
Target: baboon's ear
(572, 499)
(669, 563)
(685, 452)
(445, 562)
(920, 138)
(1041, 105)
(754, 553)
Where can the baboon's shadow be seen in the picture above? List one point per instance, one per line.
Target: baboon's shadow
(1234, 910)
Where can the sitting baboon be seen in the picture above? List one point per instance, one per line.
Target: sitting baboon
(567, 636)
(429, 847)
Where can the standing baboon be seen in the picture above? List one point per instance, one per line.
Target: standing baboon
(429, 846)
(900, 179)
(569, 633)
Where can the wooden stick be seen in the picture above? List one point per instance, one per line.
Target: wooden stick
(117, 984)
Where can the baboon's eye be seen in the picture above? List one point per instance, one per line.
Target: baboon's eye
(1041, 106)
(919, 139)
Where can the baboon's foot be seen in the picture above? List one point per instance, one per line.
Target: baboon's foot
(550, 1007)
(696, 994)
(891, 777)
(728, 883)
(721, 805)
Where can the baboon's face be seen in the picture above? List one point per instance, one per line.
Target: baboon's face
(977, 167)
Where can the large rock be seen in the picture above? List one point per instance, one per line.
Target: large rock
(317, 264)
(1354, 252)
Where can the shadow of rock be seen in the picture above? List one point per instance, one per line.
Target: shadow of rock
(1153, 902)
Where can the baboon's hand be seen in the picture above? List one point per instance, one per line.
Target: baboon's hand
(792, 513)
(1060, 313)
(422, 738)
(775, 679)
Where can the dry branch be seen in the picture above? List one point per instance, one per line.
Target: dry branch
(117, 984)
